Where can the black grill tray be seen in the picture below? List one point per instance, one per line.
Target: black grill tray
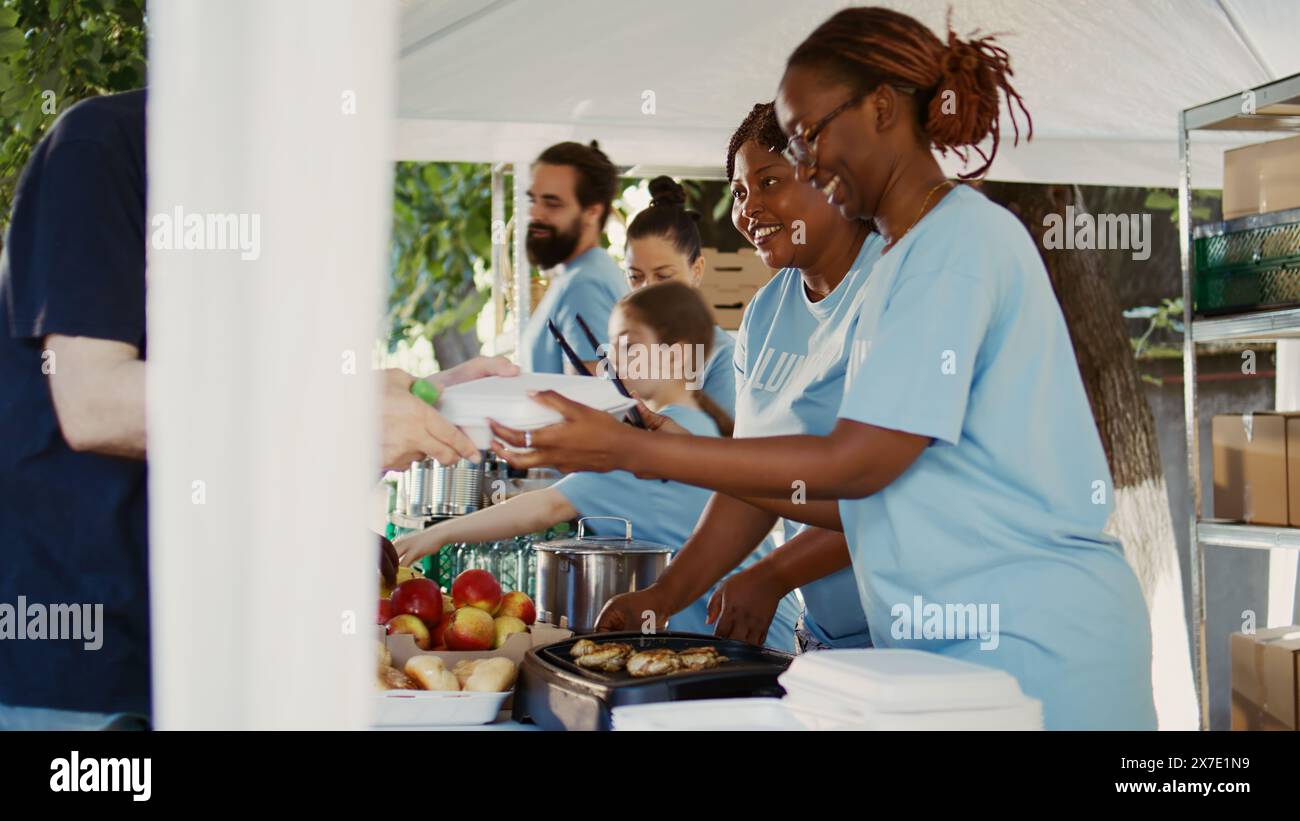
(557, 694)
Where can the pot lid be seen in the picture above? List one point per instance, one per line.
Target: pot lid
(586, 542)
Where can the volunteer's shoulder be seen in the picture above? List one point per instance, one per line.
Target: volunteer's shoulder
(771, 291)
(973, 236)
(694, 420)
(110, 119)
(989, 226)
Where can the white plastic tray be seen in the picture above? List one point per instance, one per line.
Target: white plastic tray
(505, 398)
(423, 708)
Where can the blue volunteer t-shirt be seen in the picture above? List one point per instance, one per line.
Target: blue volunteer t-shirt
(719, 380)
(666, 513)
(790, 360)
(73, 526)
(589, 286)
(960, 338)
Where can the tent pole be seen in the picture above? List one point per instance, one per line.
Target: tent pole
(498, 249)
(523, 271)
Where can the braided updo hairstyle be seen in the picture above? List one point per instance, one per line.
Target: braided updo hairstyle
(668, 218)
(957, 82)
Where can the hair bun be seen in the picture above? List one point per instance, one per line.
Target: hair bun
(665, 191)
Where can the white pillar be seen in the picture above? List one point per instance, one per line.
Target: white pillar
(262, 404)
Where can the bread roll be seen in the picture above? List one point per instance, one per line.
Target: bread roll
(431, 673)
(494, 675)
(390, 678)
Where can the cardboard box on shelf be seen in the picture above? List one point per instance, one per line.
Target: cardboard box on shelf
(1266, 679)
(1250, 467)
(1261, 178)
(1293, 468)
(730, 282)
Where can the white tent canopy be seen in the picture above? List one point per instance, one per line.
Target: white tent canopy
(497, 80)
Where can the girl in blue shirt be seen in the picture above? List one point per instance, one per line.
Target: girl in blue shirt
(965, 467)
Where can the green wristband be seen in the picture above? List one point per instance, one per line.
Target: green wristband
(425, 392)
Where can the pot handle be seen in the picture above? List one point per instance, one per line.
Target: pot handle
(627, 527)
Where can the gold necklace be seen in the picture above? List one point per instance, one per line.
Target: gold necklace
(925, 202)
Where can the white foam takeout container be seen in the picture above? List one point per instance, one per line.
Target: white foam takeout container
(897, 689)
(470, 405)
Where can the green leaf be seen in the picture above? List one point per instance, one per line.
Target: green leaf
(11, 42)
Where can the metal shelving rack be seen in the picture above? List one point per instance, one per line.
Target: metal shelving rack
(1276, 107)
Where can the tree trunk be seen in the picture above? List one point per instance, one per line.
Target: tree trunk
(1141, 518)
(452, 347)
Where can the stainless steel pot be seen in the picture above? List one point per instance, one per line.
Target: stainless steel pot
(576, 577)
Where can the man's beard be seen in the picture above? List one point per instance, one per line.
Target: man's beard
(553, 247)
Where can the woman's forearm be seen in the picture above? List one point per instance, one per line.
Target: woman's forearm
(821, 513)
(809, 556)
(526, 513)
(728, 531)
(853, 461)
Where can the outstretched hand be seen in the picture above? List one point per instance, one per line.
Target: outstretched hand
(587, 439)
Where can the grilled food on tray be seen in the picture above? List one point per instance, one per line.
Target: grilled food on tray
(609, 657)
(653, 663)
(700, 658)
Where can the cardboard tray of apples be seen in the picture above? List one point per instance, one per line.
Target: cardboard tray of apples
(434, 643)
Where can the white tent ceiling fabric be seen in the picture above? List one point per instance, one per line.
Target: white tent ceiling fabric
(1105, 80)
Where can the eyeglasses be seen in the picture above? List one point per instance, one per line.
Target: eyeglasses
(802, 147)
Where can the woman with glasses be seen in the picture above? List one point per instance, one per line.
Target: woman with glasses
(965, 467)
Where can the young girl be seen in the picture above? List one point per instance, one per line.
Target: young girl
(669, 325)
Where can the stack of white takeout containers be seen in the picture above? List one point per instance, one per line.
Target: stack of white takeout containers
(859, 690)
(470, 405)
(904, 690)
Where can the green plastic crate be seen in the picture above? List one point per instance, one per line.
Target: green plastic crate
(1247, 264)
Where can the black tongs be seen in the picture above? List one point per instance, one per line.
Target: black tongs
(581, 368)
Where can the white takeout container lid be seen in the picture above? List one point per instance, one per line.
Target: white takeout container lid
(427, 708)
(874, 681)
(469, 405)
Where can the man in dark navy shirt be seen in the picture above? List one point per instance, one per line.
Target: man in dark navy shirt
(73, 521)
(74, 591)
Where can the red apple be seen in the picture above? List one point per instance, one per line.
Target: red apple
(439, 632)
(476, 588)
(518, 604)
(470, 629)
(447, 604)
(406, 623)
(421, 598)
(504, 627)
(385, 611)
